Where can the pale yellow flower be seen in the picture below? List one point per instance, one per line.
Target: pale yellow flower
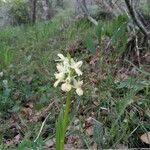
(60, 67)
(77, 86)
(76, 66)
(68, 70)
(5, 82)
(59, 77)
(66, 87)
(62, 57)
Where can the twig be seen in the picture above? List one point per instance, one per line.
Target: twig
(137, 47)
(138, 69)
(135, 18)
(42, 127)
(40, 114)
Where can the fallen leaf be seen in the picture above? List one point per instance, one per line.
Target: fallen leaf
(146, 138)
(121, 146)
(68, 147)
(89, 131)
(73, 142)
(17, 138)
(14, 141)
(29, 104)
(50, 143)
(42, 112)
(27, 112)
(89, 126)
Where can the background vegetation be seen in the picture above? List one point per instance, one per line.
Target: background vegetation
(114, 111)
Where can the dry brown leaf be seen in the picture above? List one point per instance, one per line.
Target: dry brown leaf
(74, 142)
(94, 146)
(50, 143)
(27, 112)
(41, 113)
(14, 141)
(29, 104)
(17, 138)
(89, 131)
(121, 146)
(146, 138)
(89, 126)
(69, 147)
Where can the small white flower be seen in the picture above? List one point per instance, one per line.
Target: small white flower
(62, 57)
(59, 77)
(60, 67)
(77, 86)
(66, 87)
(79, 91)
(56, 83)
(5, 82)
(1, 74)
(76, 66)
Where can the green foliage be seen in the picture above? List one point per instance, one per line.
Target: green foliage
(89, 43)
(18, 12)
(62, 123)
(59, 131)
(27, 58)
(117, 31)
(6, 55)
(99, 30)
(27, 144)
(98, 133)
(5, 101)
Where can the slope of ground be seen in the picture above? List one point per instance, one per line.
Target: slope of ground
(114, 111)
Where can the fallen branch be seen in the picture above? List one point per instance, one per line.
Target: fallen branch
(42, 127)
(134, 16)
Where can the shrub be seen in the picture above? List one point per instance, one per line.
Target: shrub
(18, 12)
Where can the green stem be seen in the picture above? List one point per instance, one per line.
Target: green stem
(66, 118)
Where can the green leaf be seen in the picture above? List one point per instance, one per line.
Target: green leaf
(89, 43)
(15, 108)
(98, 133)
(122, 104)
(119, 33)
(118, 22)
(99, 30)
(7, 92)
(59, 130)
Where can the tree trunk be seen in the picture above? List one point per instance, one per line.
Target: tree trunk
(78, 7)
(46, 9)
(33, 11)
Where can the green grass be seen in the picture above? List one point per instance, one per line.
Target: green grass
(27, 57)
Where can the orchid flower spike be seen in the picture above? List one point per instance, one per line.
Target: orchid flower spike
(67, 71)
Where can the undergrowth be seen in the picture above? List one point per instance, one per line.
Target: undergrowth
(118, 107)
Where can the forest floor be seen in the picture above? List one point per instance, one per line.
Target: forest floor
(114, 111)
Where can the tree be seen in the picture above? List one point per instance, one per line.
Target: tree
(136, 19)
(46, 10)
(80, 7)
(18, 12)
(33, 10)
